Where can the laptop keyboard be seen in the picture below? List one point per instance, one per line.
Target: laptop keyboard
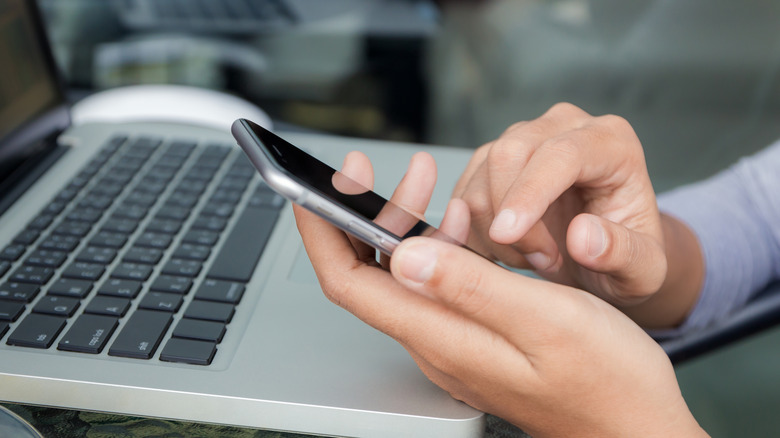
(116, 260)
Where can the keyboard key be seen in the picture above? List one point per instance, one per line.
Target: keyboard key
(148, 256)
(58, 306)
(120, 225)
(161, 301)
(132, 271)
(71, 288)
(19, 291)
(111, 306)
(46, 258)
(241, 251)
(192, 251)
(41, 222)
(3, 328)
(10, 310)
(84, 271)
(183, 268)
(60, 243)
(89, 215)
(201, 330)
(36, 331)
(188, 351)
(72, 228)
(27, 237)
(12, 252)
(173, 212)
(97, 255)
(141, 335)
(153, 240)
(210, 311)
(221, 291)
(165, 226)
(32, 274)
(168, 283)
(203, 237)
(126, 211)
(109, 240)
(88, 334)
(120, 288)
(210, 223)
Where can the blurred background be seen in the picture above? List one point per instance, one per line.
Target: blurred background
(698, 79)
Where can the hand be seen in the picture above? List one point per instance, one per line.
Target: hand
(569, 195)
(551, 359)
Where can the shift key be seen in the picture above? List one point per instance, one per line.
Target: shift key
(141, 335)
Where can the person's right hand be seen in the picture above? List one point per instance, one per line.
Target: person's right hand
(569, 195)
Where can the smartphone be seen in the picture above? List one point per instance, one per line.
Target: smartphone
(330, 194)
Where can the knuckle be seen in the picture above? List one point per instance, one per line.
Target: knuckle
(565, 109)
(470, 294)
(479, 203)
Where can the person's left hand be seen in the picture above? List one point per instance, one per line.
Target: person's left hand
(554, 360)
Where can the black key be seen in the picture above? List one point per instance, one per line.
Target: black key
(89, 215)
(32, 274)
(210, 311)
(220, 209)
(192, 251)
(141, 335)
(266, 198)
(10, 310)
(132, 271)
(109, 240)
(168, 283)
(183, 268)
(173, 212)
(88, 334)
(165, 226)
(36, 331)
(58, 306)
(111, 306)
(201, 330)
(161, 301)
(184, 200)
(120, 225)
(142, 199)
(41, 222)
(120, 288)
(3, 328)
(60, 243)
(27, 237)
(97, 202)
(4, 267)
(71, 288)
(221, 291)
(97, 255)
(202, 237)
(19, 291)
(153, 240)
(126, 211)
(46, 258)
(84, 271)
(72, 228)
(148, 256)
(109, 189)
(210, 223)
(188, 351)
(12, 252)
(239, 255)
(55, 207)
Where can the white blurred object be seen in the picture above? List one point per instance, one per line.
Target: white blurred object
(167, 103)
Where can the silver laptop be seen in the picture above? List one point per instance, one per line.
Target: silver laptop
(145, 270)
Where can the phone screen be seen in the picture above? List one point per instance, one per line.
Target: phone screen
(333, 185)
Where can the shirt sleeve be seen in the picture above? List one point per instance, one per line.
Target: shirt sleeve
(736, 217)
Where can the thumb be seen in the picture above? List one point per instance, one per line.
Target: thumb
(634, 262)
(477, 288)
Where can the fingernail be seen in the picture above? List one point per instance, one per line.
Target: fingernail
(505, 220)
(539, 260)
(596, 239)
(418, 263)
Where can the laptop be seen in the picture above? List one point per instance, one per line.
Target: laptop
(146, 270)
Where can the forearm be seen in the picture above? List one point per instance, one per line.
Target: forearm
(673, 302)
